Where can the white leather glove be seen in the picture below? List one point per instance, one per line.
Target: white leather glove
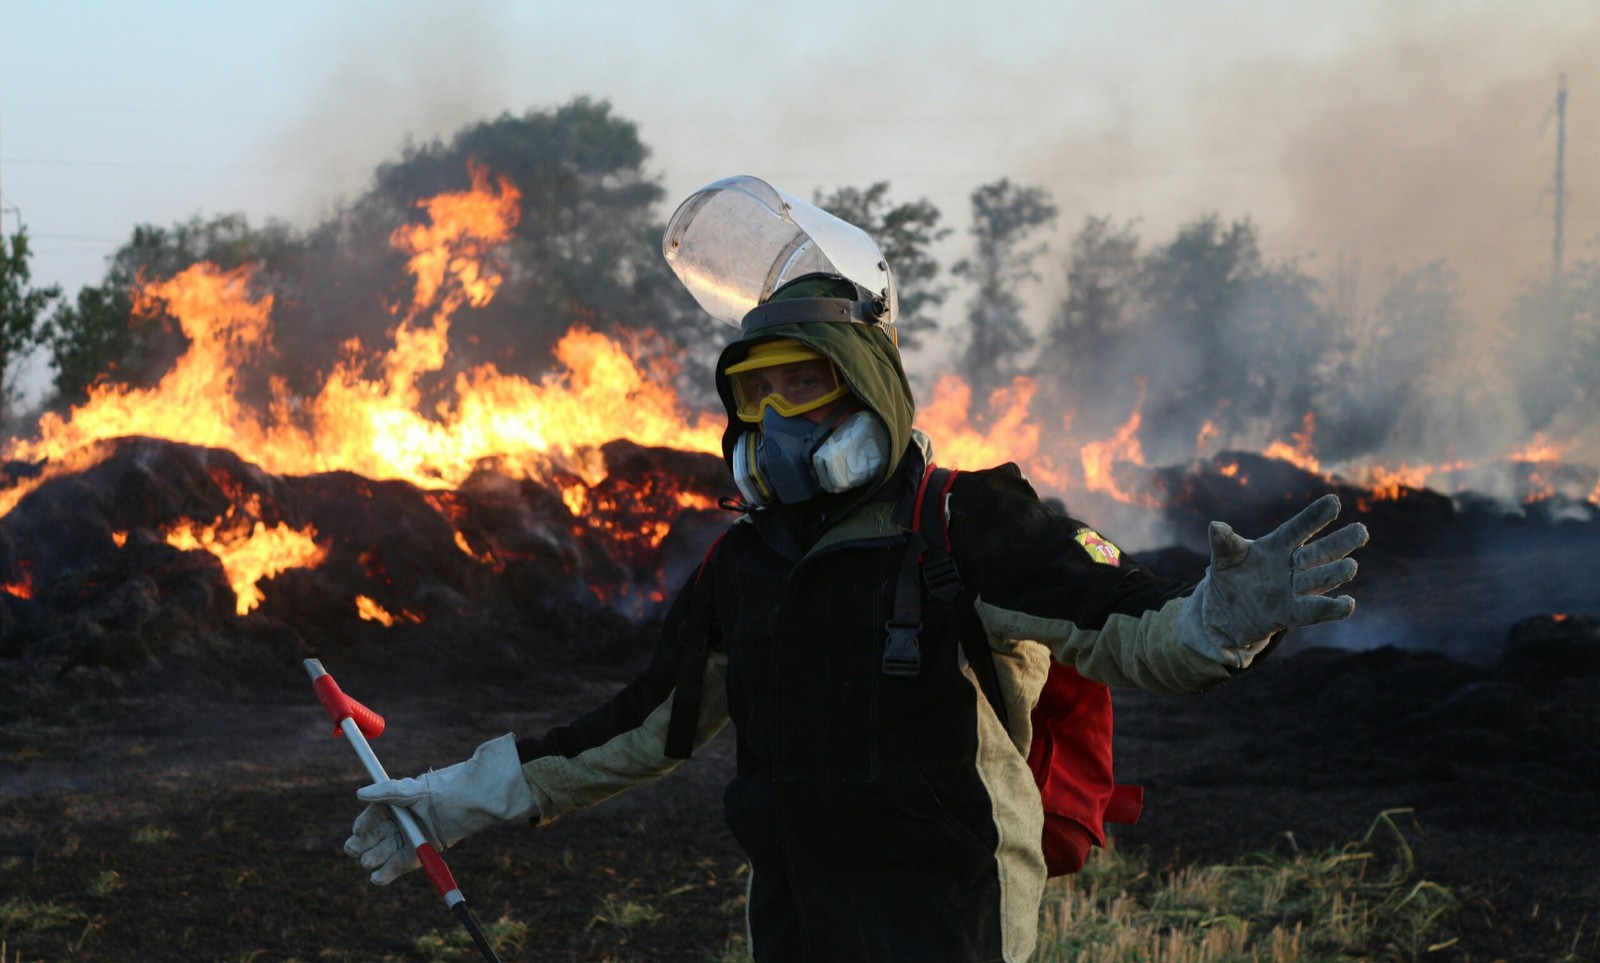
(1255, 589)
(449, 804)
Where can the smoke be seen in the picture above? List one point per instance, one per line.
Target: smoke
(1414, 148)
(1424, 132)
(1363, 142)
(380, 76)
(1445, 146)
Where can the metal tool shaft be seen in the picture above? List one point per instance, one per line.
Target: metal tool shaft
(345, 713)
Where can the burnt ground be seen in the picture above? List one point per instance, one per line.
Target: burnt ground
(170, 790)
(207, 826)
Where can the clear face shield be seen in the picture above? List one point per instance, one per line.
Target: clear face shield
(735, 241)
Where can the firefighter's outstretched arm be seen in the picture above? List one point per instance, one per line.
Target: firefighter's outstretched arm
(1256, 589)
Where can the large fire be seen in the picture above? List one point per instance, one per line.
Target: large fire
(372, 426)
(367, 417)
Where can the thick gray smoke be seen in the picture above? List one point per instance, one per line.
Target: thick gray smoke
(1408, 171)
(1365, 144)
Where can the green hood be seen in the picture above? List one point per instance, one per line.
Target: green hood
(868, 362)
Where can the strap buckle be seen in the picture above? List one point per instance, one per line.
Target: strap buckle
(902, 656)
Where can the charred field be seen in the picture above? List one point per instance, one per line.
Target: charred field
(170, 790)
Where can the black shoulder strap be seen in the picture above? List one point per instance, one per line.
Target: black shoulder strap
(930, 546)
(694, 647)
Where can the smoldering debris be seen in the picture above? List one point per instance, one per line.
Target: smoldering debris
(506, 574)
(99, 595)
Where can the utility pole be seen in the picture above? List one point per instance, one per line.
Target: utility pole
(1561, 176)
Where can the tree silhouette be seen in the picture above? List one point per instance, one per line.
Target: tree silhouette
(1004, 216)
(21, 307)
(1088, 334)
(904, 232)
(586, 249)
(97, 334)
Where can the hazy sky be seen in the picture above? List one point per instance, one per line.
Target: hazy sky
(1392, 132)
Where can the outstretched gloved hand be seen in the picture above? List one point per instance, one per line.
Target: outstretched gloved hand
(450, 804)
(1255, 589)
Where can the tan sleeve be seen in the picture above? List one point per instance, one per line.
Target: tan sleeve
(561, 784)
(1131, 651)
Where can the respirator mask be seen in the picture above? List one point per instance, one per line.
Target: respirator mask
(792, 459)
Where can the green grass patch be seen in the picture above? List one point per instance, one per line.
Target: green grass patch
(151, 835)
(505, 934)
(28, 916)
(1348, 903)
(103, 885)
(623, 914)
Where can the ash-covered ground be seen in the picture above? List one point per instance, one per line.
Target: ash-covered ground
(170, 790)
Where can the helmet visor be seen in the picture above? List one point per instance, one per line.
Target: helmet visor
(735, 241)
(787, 377)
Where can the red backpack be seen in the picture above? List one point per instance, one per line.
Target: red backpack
(1071, 750)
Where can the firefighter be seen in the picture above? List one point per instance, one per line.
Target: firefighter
(887, 811)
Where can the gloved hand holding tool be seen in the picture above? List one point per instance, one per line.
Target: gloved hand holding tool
(357, 722)
(1256, 589)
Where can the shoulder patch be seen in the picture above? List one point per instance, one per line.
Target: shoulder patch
(1098, 546)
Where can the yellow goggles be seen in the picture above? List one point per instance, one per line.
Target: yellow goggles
(785, 376)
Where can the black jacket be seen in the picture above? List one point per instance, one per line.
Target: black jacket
(886, 817)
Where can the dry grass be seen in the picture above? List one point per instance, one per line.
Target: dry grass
(1341, 904)
(1361, 901)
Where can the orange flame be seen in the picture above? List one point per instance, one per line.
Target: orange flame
(462, 231)
(371, 611)
(1204, 437)
(1388, 483)
(1546, 455)
(1302, 453)
(1101, 457)
(249, 554)
(193, 402)
(22, 586)
(1540, 450)
(636, 516)
(1010, 436)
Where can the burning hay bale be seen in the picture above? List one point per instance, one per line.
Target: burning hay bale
(164, 556)
(1255, 492)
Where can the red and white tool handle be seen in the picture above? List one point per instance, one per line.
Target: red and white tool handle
(356, 722)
